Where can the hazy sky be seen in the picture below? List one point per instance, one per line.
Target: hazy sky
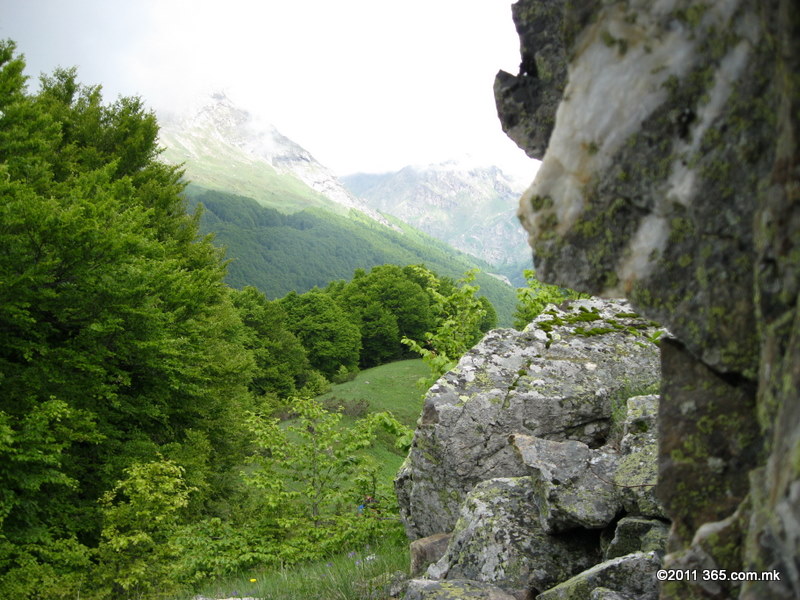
(364, 85)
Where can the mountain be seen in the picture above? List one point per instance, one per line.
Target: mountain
(226, 148)
(286, 221)
(472, 208)
(279, 252)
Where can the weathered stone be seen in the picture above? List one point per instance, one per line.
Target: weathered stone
(527, 102)
(426, 551)
(573, 485)
(719, 538)
(636, 534)
(456, 589)
(672, 175)
(636, 173)
(602, 593)
(498, 539)
(632, 575)
(557, 380)
(709, 441)
(637, 468)
(772, 540)
(385, 586)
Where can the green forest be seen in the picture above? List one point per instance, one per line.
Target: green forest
(159, 427)
(278, 252)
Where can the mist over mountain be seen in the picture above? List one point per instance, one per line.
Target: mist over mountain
(470, 207)
(226, 148)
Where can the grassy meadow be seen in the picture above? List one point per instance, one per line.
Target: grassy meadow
(361, 574)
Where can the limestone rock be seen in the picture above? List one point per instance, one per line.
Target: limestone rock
(427, 550)
(498, 539)
(461, 589)
(527, 102)
(709, 441)
(644, 173)
(632, 575)
(637, 468)
(557, 380)
(573, 485)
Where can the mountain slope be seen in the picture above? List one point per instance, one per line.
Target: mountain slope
(469, 207)
(226, 148)
(287, 222)
(278, 252)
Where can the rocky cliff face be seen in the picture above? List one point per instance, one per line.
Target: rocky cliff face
(668, 131)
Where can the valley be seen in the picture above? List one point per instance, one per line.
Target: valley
(288, 224)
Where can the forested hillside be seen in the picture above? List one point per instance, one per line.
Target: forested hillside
(144, 446)
(278, 252)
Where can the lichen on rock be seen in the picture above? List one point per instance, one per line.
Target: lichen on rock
(671, 175)
(556, 381)
(499, 539)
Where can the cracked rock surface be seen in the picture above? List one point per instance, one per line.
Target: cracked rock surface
(558, 380)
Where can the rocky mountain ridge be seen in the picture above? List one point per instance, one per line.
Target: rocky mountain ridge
(217, 136)
(469, 206)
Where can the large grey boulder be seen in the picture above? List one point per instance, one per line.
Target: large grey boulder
(534, 532)
(630, 576)
(670, 174)
(558, 380)
(498, 539)
(573, 484)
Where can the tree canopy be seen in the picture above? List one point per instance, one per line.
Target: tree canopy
(137, 386)
(119, 338)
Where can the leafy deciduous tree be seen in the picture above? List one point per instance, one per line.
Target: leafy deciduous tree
(532, 299)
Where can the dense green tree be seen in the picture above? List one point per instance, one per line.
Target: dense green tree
(119, 338)
(328, 335)
(387, 304)
(281, 362)
(489, 319)
(459, 316)
(380, 335)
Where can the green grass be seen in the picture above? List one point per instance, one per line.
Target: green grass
(390, 387)
(361, 575)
